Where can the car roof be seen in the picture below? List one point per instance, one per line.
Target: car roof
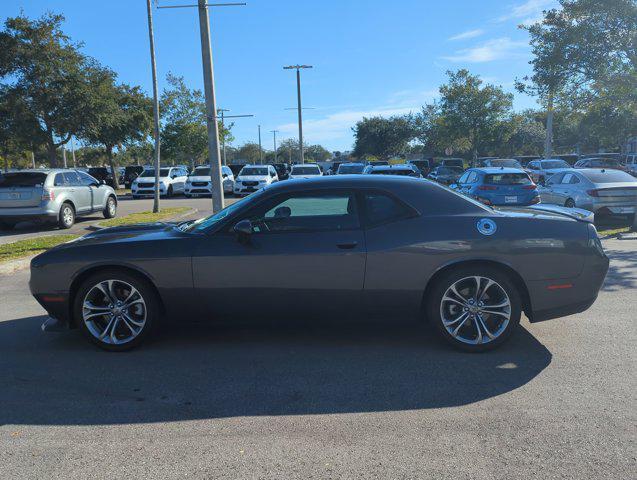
(357, 164)
(399, 166)
(45, 170)
(491, 170)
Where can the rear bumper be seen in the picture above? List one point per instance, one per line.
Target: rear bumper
(24, 213)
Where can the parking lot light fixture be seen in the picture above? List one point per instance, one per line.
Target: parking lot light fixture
(298, 69)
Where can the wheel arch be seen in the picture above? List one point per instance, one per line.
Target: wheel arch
(503, 267)
(84, 274)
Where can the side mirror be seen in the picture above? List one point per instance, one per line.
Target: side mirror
(102, 182)
(225, 175)
(454, 186)
(243, 230)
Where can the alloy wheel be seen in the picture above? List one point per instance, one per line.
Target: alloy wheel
(475, 310)
(114, 312)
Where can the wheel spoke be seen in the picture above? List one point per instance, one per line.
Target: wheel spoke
(486, 287)
(447, 298)
(130, 319)
(502, 304)
(484, 327)
(466, 317)
(479, 331)
(94, 308)
(456, 293)
(495, 312)
(453, 322)
(106, 330)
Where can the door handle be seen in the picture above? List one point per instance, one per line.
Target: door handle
(347, 245)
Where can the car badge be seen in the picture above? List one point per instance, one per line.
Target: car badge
(486, 226)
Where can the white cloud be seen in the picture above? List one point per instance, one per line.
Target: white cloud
(497, 49)
(467, 35)
(528, 12)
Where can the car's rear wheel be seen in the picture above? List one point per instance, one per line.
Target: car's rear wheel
(169, 192)
(110, 210)
(570, 203)
(475, 309)
(66, 218)
(116, 310)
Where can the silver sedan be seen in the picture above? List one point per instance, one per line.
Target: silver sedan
(605, 192)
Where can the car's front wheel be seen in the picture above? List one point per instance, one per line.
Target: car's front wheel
(116, 310)
(111, 208)
(475, 309)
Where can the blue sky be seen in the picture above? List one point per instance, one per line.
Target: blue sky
(369, 56)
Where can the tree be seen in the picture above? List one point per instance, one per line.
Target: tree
(184, 133)
(54, 80)
(470, 117)
(249, 152)
(317, 153)
(383, 137)
(122, 114)
(527, 137)
(582, 52)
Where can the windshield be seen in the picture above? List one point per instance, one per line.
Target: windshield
(163, 172)
(344, 169)
(509, 163)
(609, 176)
(307, 170)
(253, 171)
(201, 172)
(548, 164)
(508, 179)
(22, 179)
(206, 222)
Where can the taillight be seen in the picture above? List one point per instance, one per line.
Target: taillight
(48, 195)
(593, 193)
(533, 186)
(487, 187)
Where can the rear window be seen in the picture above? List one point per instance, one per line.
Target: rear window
(507, 179)
(344, 169)
(549, 164)
(253, 171)
(201, 172)
(22, 179)
(609, 176)
(450, 170)
(394, 171)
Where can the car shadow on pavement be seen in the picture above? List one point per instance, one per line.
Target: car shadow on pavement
(212, 372)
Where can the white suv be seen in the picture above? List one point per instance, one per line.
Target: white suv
(254, 177)
(172, 180)
(307, 170)
(199, 181)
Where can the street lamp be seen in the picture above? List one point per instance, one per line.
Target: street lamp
(300, 109)
(274, 132)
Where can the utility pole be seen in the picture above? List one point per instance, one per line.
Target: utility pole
(73, 153)
(548, 144)
(260, 148)
(274, 132)
(33, 159)
(155, 105)
(214, 155)
(64, 155)
(221, 115)
(300, 109)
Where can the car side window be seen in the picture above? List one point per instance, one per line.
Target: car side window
(306, 212)
(381, 209)
(570, 179)
(72, 179)
(464, 177)
(555, 179)
(473, 177)
(86, 180)
(59, 180)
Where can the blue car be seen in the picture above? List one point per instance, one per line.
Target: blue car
(498, 186)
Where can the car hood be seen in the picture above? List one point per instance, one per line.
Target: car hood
(292, 175)
(127, 233)
(203, 178)
(150, 179)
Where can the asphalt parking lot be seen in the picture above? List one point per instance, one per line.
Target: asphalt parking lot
(326, 401)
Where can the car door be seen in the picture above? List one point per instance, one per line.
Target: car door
(548, 193)
(306, 254)
(78, 193)
(97, 191)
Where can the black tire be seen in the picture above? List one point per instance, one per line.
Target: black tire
(435, 305)
(570, 203)
(66, 217)
(169, 192)
(147, 292)
(110, 210)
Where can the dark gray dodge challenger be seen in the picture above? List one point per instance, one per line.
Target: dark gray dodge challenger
(338, 247)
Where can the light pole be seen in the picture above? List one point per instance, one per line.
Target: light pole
(300, 109)
(260, 148)
(274, 132)
(214, 155)
(155, 105)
